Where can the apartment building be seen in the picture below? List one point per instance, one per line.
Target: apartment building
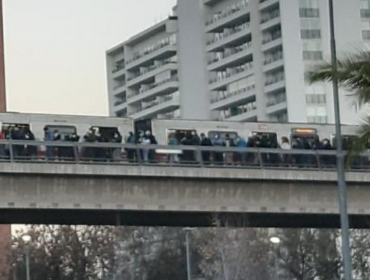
(237, 60)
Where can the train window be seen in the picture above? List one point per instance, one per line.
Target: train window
(62, 129)
(106, 132)
(268, 137)
(347, 141)
(179, 133)
(222, 134)
(307, 134)
(7, 127)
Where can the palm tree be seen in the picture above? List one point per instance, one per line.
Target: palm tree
(353, 74)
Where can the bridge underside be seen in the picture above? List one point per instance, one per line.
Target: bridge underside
(177, 219)
(154, 196)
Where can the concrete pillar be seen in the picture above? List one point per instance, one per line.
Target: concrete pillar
(193, 76)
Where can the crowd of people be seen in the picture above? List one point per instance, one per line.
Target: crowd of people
(146, 154)
(245, 157)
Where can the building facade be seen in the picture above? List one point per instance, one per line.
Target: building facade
(237, 60)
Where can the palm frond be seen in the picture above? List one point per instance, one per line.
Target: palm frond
(353, 73)
(361, 143)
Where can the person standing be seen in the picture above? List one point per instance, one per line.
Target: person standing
(48, 137)
(205, 142)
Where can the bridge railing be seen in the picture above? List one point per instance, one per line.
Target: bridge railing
(62, 152)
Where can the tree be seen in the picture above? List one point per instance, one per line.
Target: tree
(234, 254)
(353, 75)
(307, 254)
(66, 252)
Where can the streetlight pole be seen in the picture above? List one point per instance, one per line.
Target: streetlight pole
(27, 239)
(188, 257)
(275, 241)
(342, 189)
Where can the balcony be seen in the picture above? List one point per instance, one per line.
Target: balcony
(119, 105)
(277, 108)
(236, 56)
(237, 13)
(272, 43)
(235, 74)
(271, 22)
(159, 52)
(229, 37)
(168, 105)
(243, 115)
(210, 2)
(161, 88)
(267, 3)
(150, 73)
(273, 63)
(275, 86)
(118, 89)
(118, 72)
(233, 99)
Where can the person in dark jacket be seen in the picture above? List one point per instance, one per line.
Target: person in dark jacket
(205, 142)
(131, 139)
(30, 150)
(188, 156)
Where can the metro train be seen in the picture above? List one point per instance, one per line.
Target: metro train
(162, 128)
(65, 124)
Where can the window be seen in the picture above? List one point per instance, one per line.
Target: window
(365, 13)
(316, 99)
(310, 34)
(366, 34)
(309, 3)
(312, 55)
(309, 13)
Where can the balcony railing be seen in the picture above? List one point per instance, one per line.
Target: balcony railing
(273, 58)
(233, 93)
(228, 11)
(118, 68)
(232, 52)
(150, 69)
(270, 16)
(246, 109)
(119, 102)
(227, 33)
(122, 84)
(167, 42)
(231, 73)
(274, 79)
(276, 100)
(272, 37)
(154, 85)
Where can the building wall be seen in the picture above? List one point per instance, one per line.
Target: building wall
(304, 102)
(194, 96)
(2, 66)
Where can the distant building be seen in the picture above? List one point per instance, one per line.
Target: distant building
(235, 60)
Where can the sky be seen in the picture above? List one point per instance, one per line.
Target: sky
(55, 50)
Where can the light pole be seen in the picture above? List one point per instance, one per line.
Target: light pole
(27, 239)
(188, 256)
(275, 240)
(342, 189)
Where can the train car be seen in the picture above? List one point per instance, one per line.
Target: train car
(162, 128)
(65, 124)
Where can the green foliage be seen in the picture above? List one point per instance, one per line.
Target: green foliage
(353, 74)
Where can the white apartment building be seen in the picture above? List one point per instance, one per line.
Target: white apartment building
(237, 60)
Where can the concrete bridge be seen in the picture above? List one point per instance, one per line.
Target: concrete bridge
(60, 193)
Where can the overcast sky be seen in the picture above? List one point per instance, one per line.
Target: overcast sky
(55, 50)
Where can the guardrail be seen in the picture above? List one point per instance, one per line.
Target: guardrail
(62, 152)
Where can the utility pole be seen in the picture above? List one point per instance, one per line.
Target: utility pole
(342, 189)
